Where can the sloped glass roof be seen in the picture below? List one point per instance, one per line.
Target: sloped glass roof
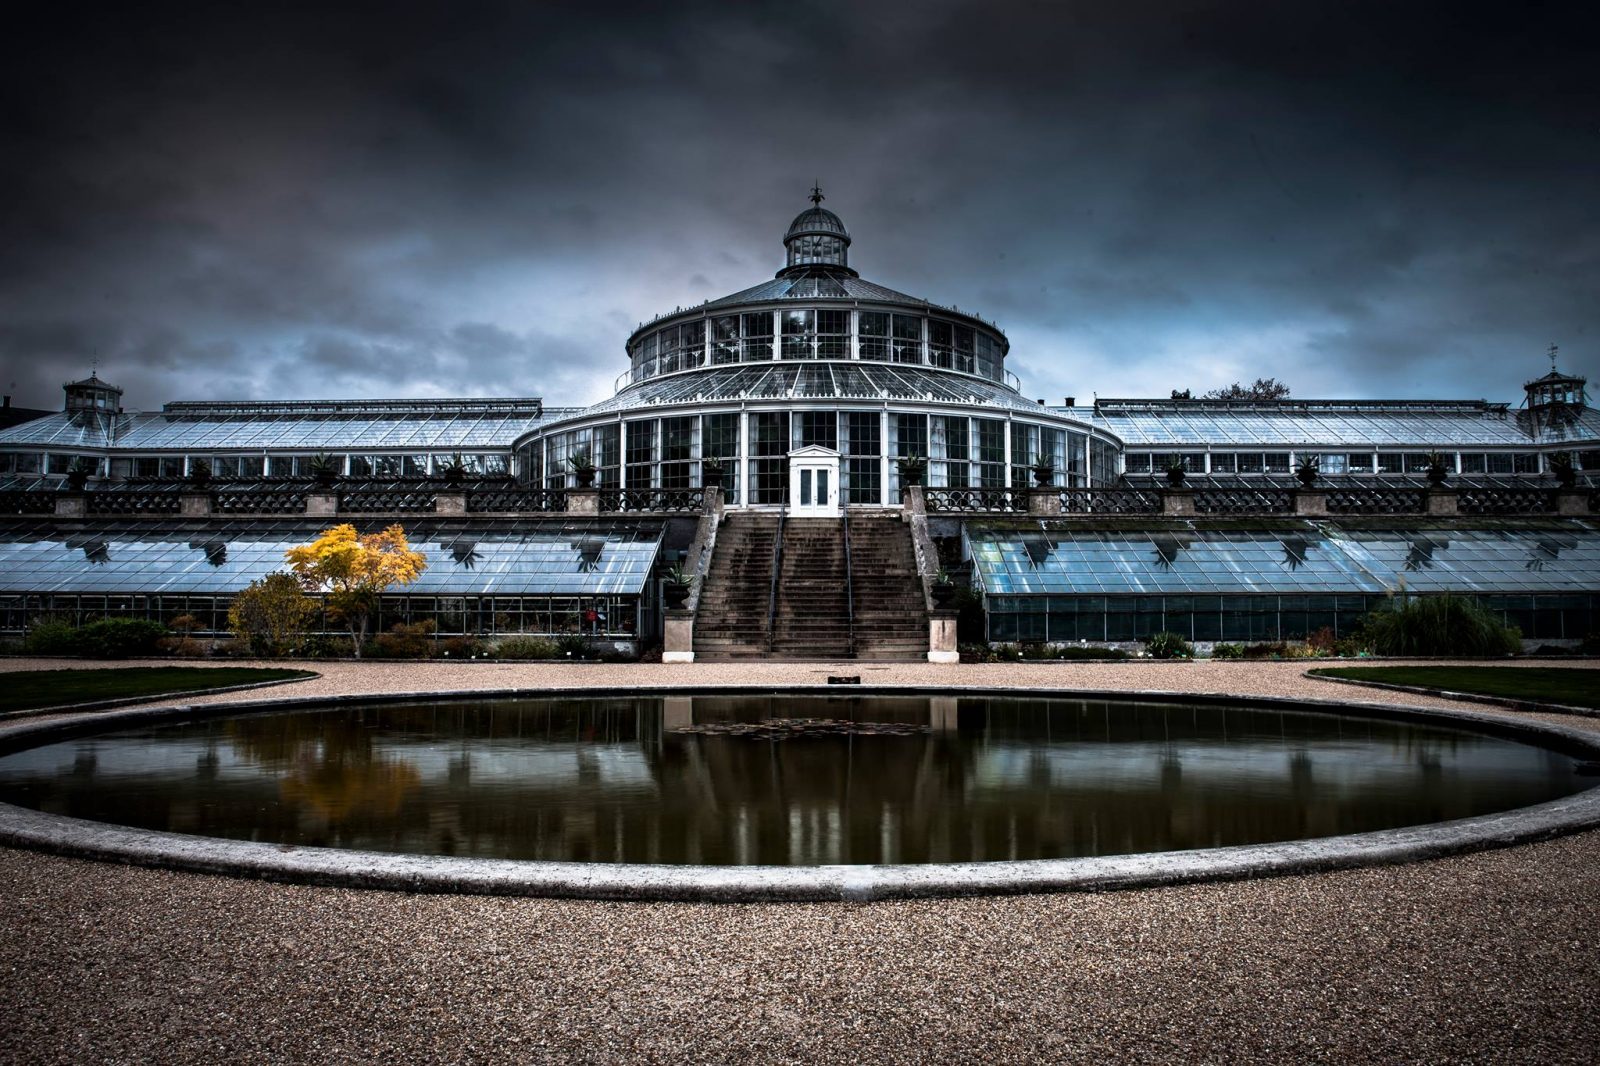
(1302, 557)
(471, 559)
(791, 379)
(1328, 424)
(442, 425)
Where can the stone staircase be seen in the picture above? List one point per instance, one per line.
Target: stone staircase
(812, 618)
(731, 622)
(891, 616)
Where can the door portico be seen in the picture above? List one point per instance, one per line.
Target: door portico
(814, 482)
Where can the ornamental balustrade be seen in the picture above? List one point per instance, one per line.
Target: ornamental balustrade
(526, 500)
(1244, 500)
(387, 501)
(260, 501)
(1504, 499)
(27, 502)
(975, 501)
(1376, 499)
(1110, 501)
(132, 501)
(653, 501)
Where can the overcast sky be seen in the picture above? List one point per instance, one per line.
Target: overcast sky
(1364, 200)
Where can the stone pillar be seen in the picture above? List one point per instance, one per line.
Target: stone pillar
(451, 502)
(1177, 501)
(1441, 501)
(1310, 502)
(583, 501)
(194, 504)
(942, 637)
(915, 502)
(1044, 501)
(1570, 502)
(322, 503)
(71, 504)
(713, 500)
(677, 635)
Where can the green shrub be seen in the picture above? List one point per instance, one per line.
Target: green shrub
(1168, 646)
(573, 646)
(407, 640)
(118, 638)
(976, 653)
(1227, 651)
(1271, 649)
(1438, 625)
(1322, 641)
(51, 636)
(271, 615)
(527, 648)
(460, 647)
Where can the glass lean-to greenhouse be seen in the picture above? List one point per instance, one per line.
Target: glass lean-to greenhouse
(806, 393)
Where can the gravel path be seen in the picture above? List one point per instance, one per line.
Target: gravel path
(1487, 957)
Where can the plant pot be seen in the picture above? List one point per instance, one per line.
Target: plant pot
(1042, 476)
(909, 478)
(585, 478)
(676, 593)
(943, 595)
(1175, 478)
(1307, 478)
(77, 482)
(1436, 477)
(711, 479)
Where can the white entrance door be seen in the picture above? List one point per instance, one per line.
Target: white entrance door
(814, 483)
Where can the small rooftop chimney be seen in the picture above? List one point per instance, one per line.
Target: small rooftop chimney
(1072, 401)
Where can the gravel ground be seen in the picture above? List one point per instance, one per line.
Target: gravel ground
(1483, 958)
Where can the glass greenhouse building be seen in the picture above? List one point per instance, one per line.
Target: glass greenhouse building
(805, 394)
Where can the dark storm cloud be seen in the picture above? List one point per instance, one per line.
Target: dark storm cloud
(467, 199)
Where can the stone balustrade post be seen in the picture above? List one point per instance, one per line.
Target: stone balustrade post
(1442, 502)
(1177, 501)
(712, 503)
(71, 505)
(194, 504)
(1044, 501)
(451, 502)
(914, 500)
(322, 503)
(942, 636)
(677, 635)
(583, 501)
(1571, 503)
(1313, 502)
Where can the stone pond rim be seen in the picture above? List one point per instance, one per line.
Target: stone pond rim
(21, 827)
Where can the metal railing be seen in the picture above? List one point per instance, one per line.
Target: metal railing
(507, 500)
(975, 501)
(387, 501)
(132, 501)
(1501, 499)
(653, 501)
(772, 589)
(23, 501)
(1244, 500)
(262, 501)
(1376, 499)
(849, 586)
(1110, 501)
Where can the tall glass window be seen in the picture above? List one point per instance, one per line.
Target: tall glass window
(725, 339)
(991, 452)
(833, 334)
(669, 359)
(908, 436)
(769, 463)
(941, 343)
(965, 356)
(757, 336)
(948, 451)
(863, 441)
(641, 454)
(720, 438)
(907, 345)
(677, 452)
(874, 335)
(799, 334)
(820, 428)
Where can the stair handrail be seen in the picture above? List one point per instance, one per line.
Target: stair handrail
(849, 586)
(772, 592)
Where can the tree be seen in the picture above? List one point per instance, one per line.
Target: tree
(1262, 389)
(271, 614)
(354, 569)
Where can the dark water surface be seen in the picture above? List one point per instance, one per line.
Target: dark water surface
(737, 780)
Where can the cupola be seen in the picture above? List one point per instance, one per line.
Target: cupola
(92, 394)
(816, 239)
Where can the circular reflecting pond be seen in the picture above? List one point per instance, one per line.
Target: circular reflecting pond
(785, 780)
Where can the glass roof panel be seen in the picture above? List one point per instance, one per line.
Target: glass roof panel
(556, 558)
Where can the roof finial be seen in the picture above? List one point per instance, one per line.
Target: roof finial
(816, 194)
(1552, 354)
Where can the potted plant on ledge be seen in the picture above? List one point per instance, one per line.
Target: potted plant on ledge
(1176, 472)
(1308, 471)
(78, 473)
(913, 468)
(676, 589)
(1566, 473)
(582, 468)
(1438, 470)
(944, 590)
(454, 472)
(711, 472)
(1044, 472)
(199, 473)
(324, 470)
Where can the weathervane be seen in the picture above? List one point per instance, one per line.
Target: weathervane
(1552, 354)
(816, 194)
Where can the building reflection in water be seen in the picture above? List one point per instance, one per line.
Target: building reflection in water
(867, 779)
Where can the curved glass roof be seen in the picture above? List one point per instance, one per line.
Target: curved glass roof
(851, 380)
(1302, 557)
(540, 558)
(813, 286)
(817, 220)
(1335, 424)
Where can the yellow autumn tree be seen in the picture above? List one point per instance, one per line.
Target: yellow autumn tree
(353, 569)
